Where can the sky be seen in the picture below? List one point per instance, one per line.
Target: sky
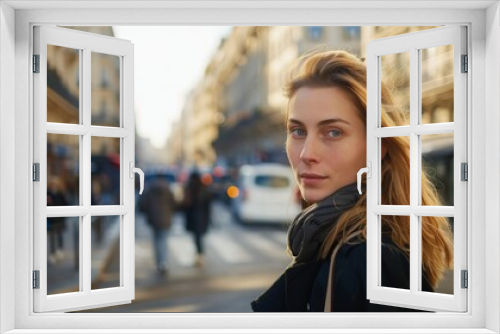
(168, 62)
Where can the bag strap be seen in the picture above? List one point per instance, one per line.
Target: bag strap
(328, 297)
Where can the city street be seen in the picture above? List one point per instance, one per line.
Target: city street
(240, 263)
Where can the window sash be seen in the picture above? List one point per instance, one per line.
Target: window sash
(413, 298)
(86, 297)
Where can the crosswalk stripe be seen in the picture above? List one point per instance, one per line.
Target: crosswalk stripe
(143, 251)
(227, 249)
(181, 248)
(232, 244)
(266, 246)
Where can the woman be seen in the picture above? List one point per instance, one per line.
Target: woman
(326, 146)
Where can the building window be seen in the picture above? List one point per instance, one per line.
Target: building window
(352, 33)
(315, 33)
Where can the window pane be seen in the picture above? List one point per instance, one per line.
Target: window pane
(105, 165)
(437, 164)
(437, 259)
(105, 252)
(63, 255)
(63, 84)
(63, 155)
(396, 75)
(437, 84)
(105, 89)
(395, 187)
(395, 256)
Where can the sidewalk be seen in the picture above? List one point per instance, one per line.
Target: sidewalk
(63, 272)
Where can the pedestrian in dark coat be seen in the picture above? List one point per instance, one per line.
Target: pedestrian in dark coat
(158, 205)
(326, 147)
(197, 201)
(56, 225)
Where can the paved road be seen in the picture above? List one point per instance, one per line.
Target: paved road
(241, 262)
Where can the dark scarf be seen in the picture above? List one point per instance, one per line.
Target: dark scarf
(310, 228)
(292, 290)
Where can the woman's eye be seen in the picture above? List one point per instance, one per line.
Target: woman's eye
(296, 132)
(334, 133)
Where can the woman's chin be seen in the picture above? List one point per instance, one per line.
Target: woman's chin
(313, 197)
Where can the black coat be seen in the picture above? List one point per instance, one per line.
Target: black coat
(56, 198)
(302, 288)
(158, 204)
(197, 201)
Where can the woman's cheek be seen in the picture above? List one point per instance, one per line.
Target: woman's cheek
(293, 152)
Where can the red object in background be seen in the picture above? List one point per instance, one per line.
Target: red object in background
(114, 159)
(206, 179)
(218, 171)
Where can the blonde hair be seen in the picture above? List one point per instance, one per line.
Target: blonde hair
(345, 71)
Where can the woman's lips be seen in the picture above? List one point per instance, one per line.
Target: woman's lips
(311, 179)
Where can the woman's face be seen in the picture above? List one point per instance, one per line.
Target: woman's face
(326, 141)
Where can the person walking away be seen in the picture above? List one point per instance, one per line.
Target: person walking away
(197, 200)
(56, 225)
(158, 205)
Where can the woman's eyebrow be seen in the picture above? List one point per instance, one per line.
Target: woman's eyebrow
(333, 120)
(322, 123)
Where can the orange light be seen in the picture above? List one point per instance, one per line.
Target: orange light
(206, 179)
(233, 192)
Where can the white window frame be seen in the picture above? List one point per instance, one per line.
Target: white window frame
(16, 123)
(86, 43)
(413, 43)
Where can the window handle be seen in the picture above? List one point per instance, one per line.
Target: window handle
(368, 171)
(138, 171)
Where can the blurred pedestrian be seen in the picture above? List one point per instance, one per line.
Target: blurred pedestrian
(97, 221)
(158, 204)
(56, 225)
(196, 205)
(326, 147)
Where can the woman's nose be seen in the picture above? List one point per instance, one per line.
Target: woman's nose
(309, 151)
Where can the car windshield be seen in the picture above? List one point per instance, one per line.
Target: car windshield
(272, 181)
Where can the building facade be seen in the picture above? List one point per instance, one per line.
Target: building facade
(243, 89)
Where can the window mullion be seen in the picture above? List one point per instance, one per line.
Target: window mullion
(406, 210)
(85, 174)
(102, 131)
(414, 170)
(433, 129)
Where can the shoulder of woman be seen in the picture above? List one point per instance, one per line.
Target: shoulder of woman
(348, 281)
(352, 258)
(350, 262)
(350, 275)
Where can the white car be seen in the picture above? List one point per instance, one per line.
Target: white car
(266, 193)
